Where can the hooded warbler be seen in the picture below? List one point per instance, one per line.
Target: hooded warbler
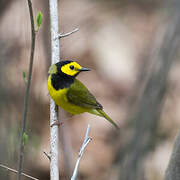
(69, 93)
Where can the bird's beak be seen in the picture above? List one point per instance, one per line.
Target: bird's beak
(83, 69)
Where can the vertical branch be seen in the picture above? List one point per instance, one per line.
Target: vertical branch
(26, 100)
(55, 56)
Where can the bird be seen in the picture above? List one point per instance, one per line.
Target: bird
(71, 94)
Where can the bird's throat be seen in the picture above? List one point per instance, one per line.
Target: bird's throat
(60, 81)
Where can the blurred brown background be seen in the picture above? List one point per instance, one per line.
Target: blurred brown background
(118, 40)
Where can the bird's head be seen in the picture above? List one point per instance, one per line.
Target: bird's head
(70, 68)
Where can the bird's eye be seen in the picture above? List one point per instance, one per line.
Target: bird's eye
(71, 67)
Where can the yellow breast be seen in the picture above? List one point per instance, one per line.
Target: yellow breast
(60, 98)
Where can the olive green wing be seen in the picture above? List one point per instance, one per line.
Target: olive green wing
(79, 95)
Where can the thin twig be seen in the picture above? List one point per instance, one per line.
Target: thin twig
(87, 139)
(13, 170)
(26, 100)
(61, 35)
(48, 155)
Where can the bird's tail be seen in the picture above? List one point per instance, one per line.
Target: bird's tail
(100, 112)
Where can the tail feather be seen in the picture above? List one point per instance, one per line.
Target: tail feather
(103, 114)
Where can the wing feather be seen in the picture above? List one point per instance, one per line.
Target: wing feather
(79, 95)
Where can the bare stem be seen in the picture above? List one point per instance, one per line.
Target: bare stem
(61, 35)
(13, 170)
(87, 139)
(26, 100)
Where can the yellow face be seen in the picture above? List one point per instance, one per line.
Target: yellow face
(71, 69)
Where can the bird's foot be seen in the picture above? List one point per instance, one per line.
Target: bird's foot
(57, 123)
